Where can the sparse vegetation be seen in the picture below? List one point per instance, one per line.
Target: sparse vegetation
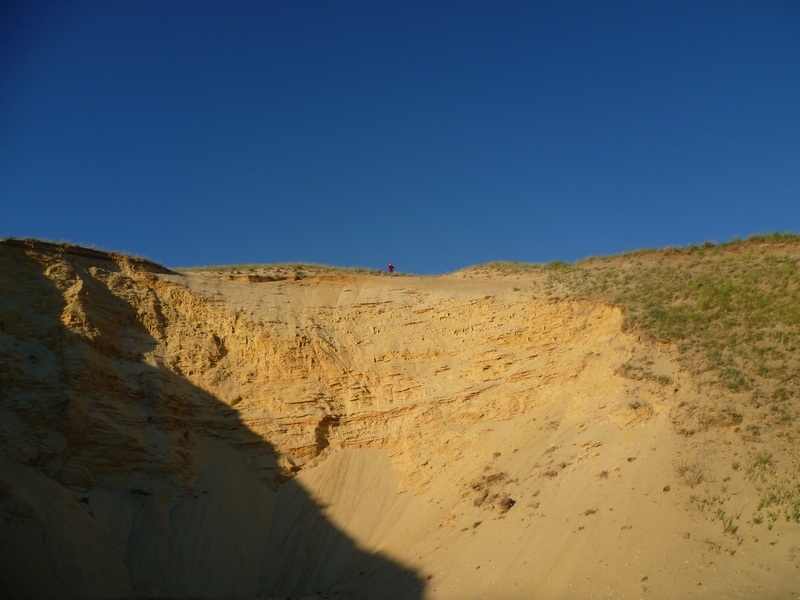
(761, 466)
(727, 520)
(692, 473)
(779, 494)
(716, 506)
(90, 250)
(297, 268)
(632, 370)
(735, 317)
(732, 310)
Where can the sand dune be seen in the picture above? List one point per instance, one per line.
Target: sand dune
(285, 434)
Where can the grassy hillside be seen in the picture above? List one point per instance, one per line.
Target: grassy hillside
(732, 310)
(733, 313)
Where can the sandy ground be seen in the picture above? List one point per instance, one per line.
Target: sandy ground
(281, 434)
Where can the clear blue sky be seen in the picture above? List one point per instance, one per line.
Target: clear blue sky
(432, 134)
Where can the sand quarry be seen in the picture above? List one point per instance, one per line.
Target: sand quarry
(276, 433)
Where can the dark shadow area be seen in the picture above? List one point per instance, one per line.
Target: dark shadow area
(121, 478)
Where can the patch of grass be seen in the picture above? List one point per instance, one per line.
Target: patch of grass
(732, 416)
(733, 379)
(728, 525)
(692, 473)
(557, 265)
(780, 497)
(631, 370)
(761, 466)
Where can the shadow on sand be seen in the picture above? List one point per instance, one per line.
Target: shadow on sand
(120, 478)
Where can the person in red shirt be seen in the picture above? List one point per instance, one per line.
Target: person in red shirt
(391, 268)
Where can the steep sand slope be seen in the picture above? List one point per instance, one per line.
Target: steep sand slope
(276, 433)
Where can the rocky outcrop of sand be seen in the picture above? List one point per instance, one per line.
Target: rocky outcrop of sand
(285, 433)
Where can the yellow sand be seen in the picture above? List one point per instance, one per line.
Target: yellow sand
(275, 434)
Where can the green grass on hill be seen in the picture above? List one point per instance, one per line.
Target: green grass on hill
(732, 310)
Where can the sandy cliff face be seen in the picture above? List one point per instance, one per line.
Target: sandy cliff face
(274, 433)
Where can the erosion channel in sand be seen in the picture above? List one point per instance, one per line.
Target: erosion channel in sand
(285, 432)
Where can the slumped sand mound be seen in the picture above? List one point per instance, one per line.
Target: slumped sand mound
(271, 434)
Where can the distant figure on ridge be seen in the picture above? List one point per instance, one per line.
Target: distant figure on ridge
(391, 268)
